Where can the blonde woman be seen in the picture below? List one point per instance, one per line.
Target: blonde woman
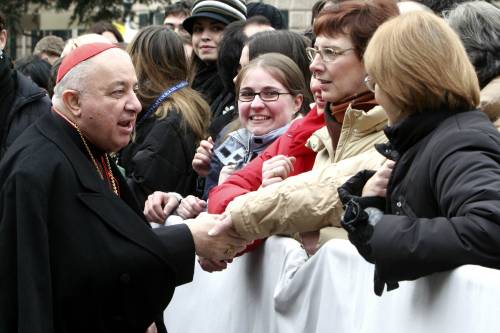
(442, 197)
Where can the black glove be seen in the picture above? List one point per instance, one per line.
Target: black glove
(359, 223)
(353, 189)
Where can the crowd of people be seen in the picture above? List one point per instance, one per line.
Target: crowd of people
(120, 163)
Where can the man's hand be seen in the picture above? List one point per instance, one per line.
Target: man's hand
(191, 207)
(159, 206)
(276, 169)
(213, 265)
(376, 186)
(203, 156)
(222, 245)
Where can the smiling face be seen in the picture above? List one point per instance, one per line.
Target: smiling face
(108, 106)
(261, 117)
(344, 76)
(206, 36)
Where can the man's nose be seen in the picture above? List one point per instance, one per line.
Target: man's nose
(133, 104)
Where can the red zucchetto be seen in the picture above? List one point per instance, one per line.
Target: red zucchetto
(80, 54)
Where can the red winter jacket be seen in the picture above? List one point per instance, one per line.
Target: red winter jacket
(248, 179)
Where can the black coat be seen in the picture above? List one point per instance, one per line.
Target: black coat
(29, 103)
(73, 256)
(444, 196)
(160, 157)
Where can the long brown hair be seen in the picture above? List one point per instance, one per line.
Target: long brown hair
(160, 62)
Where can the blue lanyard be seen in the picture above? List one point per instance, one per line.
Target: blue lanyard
(152, 108)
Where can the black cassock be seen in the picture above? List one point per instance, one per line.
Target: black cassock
(74, 257)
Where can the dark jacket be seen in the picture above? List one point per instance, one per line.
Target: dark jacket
(75, 257)
(160, 157)
(28, 104)
(443, 196)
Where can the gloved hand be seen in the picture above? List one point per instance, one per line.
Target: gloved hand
(360, 217)
(353, 189)
(359, 222)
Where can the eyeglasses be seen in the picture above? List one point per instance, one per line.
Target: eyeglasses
(326, 54)
(370, 83)
(265, 96)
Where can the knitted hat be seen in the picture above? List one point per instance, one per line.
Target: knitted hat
(80, 54)
(49, 44)
(224, 11)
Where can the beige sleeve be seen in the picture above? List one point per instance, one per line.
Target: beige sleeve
(305, 202)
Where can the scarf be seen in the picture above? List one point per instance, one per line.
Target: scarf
(207, 82)
(334, 113)
(242, 146)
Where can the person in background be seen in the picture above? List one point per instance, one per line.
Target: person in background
(271, 13)
(478, 26)
(49, 48)
(22, 102)
(175, 14)
(35, 68)
(408, 6)
(441, 6)
(315, 11)
(437, 206)
(108, 30)
(223, 108)
(256, 24)
(206, 25)
(285, 42)
(173, 121)
(77, 254)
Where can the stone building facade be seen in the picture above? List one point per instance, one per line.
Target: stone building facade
(299, 12)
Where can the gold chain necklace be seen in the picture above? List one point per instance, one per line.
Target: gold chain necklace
(110, 176)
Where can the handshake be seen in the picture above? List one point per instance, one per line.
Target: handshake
(215, 237)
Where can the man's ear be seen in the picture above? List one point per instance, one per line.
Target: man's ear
(71, 100)
(3, 39)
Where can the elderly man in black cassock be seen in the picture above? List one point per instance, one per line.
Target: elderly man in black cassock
(76, 254)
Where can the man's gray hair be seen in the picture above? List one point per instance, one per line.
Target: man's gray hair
(75, 79)
(477, 23)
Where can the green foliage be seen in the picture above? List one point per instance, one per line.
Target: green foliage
(84, 11)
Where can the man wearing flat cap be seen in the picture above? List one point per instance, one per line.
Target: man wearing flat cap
(76, 254)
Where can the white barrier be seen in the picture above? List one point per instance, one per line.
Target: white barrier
(277, 289)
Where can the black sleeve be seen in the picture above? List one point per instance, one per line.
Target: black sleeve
(179, 245)
(466, 185)
(162, 162)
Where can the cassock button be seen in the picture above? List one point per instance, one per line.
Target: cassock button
(125, 278)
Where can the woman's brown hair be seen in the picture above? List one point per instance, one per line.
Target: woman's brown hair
(160, 62)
